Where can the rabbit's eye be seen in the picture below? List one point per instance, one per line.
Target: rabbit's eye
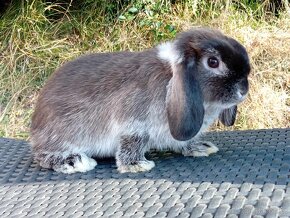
(213, 62)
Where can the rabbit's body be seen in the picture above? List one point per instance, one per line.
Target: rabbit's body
(114, 104)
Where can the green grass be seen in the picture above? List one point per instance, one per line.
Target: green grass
(37, 37)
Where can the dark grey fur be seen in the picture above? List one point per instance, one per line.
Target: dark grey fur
(228, 116)
(131, 150)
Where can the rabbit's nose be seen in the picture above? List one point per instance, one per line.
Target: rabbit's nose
(243, 87)
(243, 92)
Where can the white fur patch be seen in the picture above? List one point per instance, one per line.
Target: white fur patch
(86, 164)
(213, 149)
(168, 52)
(104, 145)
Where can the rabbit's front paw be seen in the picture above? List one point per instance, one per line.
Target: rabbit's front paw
(199, 149)
(130, 156)
(140, 166)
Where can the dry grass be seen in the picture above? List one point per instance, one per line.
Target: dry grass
(32, 45)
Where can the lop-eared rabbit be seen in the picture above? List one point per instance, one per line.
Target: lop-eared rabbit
(122, 104)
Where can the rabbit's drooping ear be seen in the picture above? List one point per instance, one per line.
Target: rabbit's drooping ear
(228, 116)
(185, 110)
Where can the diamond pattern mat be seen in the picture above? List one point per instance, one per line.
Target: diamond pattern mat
(248, 177)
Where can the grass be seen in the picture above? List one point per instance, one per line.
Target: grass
(37, 37)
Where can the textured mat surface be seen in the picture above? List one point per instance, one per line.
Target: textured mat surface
(248, 177)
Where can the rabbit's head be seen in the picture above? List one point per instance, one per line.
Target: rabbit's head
(209, 68)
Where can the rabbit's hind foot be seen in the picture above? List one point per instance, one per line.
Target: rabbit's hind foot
(66, 163)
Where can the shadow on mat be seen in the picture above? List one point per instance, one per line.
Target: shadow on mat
(243, 157)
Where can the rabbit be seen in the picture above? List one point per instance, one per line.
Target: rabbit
(122, 104)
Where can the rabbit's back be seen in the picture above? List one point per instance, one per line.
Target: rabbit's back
(91, 101)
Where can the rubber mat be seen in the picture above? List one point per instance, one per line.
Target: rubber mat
(248, 177)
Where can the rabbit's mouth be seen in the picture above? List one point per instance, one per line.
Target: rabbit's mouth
(239, 95)
(227, 99)
(236, 99)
